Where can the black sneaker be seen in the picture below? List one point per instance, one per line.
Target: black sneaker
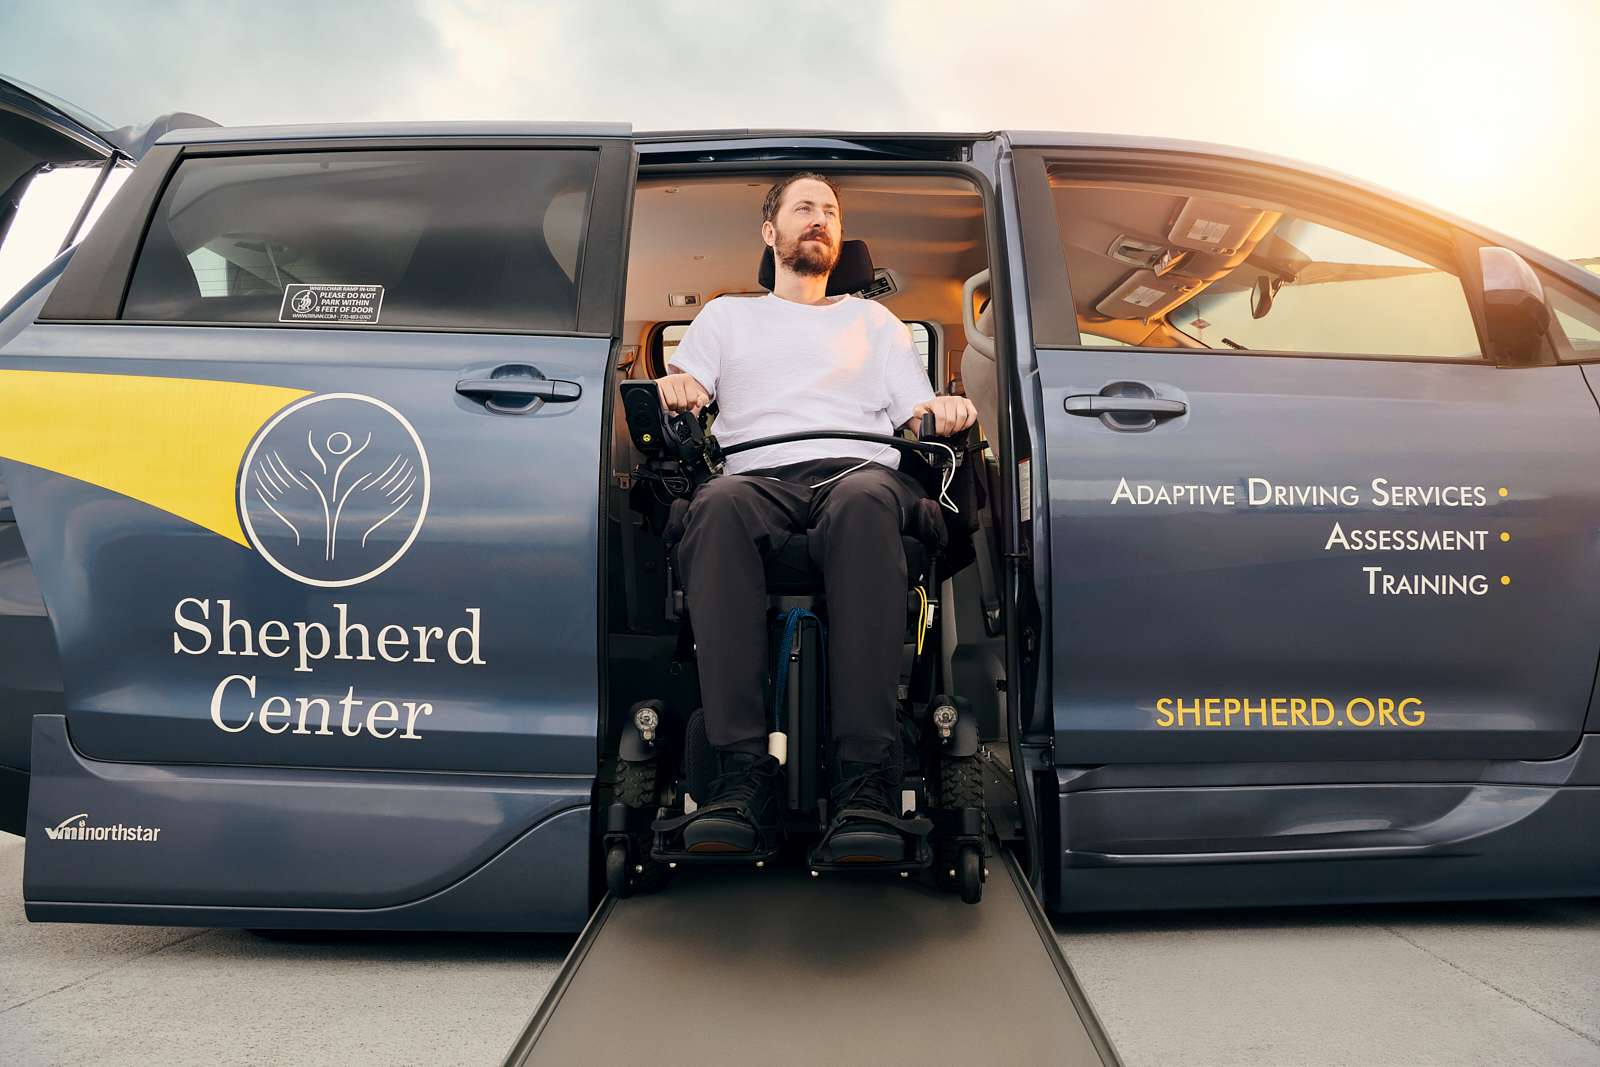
(870, 789)
(740, 811)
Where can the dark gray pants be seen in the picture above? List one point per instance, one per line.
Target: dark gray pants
(854, 528)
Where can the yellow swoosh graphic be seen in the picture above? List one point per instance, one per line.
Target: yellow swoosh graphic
(172, 443)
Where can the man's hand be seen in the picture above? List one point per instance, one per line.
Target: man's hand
(683, 392)
(951, 414)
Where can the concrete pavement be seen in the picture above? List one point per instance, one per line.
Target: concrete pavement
(1499, 983)
(1513, 983)
(73, 994)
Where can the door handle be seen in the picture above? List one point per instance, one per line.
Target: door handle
(1095, 405)
(519, 393)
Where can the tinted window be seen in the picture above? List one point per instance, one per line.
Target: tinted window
(487, 239)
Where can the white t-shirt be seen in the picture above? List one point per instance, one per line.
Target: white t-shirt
(777, 366)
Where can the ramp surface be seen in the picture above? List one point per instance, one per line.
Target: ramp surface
(773, 967)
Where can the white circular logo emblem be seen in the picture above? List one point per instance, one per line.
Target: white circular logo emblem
(334, 489)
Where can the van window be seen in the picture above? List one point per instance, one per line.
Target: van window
(670, 336)
(446, 238)
(923, 339)
(1169, 268)
(1335, 292)
(45, 210)
(1579, 320)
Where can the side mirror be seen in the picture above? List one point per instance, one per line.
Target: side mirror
(1514, 305)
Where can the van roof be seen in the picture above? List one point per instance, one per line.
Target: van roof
(1019, 138)
(356, 130)
(335, 130)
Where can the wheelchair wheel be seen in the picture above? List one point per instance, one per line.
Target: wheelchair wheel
(969, 873)
(961, 783)
(617, 882)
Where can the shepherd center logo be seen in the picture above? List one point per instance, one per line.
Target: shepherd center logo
(77, 828)
(334, 489)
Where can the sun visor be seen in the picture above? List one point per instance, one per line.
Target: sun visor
(1215, 227)
(1146, 295)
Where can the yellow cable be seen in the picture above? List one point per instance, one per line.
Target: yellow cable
(922, 616)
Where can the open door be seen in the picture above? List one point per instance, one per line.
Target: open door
(34, 135)
(305, 446)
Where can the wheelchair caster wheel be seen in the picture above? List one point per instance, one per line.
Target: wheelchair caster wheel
(969, 874)
(618, 884)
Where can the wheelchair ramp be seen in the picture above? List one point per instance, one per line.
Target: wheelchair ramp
(773, 967)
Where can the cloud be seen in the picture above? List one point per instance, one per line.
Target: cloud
(236, 62)
(681, 64)
(672, 65)
(1484, 108)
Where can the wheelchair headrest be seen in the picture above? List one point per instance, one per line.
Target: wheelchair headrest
(851, 274)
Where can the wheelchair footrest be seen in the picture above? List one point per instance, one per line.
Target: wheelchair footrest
(676, 856)
(913, 832)
(669, 847)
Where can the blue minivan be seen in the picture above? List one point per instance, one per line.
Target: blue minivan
(331, 581)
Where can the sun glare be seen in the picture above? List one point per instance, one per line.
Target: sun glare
(1450, 105)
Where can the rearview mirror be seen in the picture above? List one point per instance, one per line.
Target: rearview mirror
(1514, 305)
(1261, 295)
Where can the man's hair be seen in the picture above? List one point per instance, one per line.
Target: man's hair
(769, 209)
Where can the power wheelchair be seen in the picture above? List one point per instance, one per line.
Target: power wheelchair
(664, 760)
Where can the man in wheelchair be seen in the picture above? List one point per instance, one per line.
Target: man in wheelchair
(799, 360)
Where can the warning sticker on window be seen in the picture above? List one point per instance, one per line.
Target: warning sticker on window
(1143, 296)
(331, 303)
(1208, 232)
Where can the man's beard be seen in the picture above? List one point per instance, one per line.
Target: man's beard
(807, 261)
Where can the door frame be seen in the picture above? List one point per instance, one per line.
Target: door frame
(988, 166)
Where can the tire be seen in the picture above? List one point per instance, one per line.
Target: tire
(699, 758)
(636, 783)
(617, 883)
(969, 873)
(961, 783)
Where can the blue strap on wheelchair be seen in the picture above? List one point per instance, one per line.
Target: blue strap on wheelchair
(780, 682)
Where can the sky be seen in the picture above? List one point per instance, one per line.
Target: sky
(1488, 110)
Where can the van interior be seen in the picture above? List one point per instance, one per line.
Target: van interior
(697, 238)
(1162, 266)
